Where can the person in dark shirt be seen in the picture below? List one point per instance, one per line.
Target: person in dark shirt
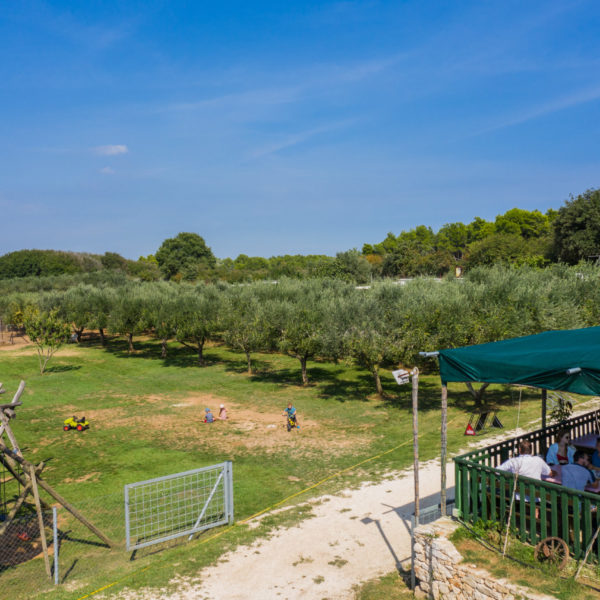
(595, 466)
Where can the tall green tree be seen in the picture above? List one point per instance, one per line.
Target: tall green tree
(577, 228)
(453, 237)
(184, 256)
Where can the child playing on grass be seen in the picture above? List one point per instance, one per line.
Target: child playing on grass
(208, 417)
(292, 417)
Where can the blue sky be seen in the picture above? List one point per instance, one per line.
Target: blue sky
(288, 127)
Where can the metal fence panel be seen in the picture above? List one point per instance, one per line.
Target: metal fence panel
(161, 509)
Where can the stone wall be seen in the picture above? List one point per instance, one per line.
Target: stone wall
(442, 575)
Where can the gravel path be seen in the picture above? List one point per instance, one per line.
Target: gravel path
(352, 537)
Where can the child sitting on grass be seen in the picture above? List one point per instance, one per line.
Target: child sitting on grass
(208, 417)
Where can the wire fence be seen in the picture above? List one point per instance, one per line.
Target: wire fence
(76, 554)
(168, 507)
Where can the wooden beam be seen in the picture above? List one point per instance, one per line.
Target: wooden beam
(11, 436)
(40, 514)
(75, 512)
(11, 465)
(444, 443)
(48, 488)
(11, 515)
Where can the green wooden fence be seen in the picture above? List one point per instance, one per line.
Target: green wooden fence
(541, 509)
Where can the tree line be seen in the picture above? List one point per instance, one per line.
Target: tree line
(385, 325)
(518, 237)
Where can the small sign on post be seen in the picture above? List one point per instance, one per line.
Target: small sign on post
(401, 376)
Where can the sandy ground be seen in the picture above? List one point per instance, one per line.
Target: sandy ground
(352, 537)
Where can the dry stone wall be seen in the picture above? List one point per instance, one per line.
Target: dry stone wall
(442, 574)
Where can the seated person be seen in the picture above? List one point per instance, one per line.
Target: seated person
(578, 475)
(208, 417)
(561, 452)
(222, 413)
(595, 466)
(527, 465)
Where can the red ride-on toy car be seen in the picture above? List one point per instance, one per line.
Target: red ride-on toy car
(75, 423)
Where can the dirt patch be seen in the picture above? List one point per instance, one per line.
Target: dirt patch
(248, 427)
(94, 475)
(17, 342)
(21, 345)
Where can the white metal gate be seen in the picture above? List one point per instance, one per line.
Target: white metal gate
(185, 503)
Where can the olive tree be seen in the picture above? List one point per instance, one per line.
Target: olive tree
(129, 315)
(300, 314)
(246, 325)
(197, 317)
(370, 339)
(47, 331)
(161, 313)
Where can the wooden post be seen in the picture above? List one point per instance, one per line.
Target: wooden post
(544, 408)
(415, 521)
(36, 495)
(415, 409)
(444, 428)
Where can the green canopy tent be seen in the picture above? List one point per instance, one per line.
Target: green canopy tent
(566, 360)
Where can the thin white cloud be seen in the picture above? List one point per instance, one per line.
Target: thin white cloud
(112, 150)
(547, 108)
(297, 138)
(107, 170)
(319, 77)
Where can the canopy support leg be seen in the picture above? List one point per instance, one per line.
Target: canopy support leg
(544, 411)
(444, 429)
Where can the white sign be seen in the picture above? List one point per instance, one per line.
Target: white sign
(401, 376)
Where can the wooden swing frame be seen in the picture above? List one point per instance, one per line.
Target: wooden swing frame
(30, 478)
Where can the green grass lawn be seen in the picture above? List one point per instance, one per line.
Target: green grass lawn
(145, 416)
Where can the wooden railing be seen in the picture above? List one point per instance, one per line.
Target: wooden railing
(541, 509)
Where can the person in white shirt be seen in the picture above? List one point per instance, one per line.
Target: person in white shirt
(527, 465)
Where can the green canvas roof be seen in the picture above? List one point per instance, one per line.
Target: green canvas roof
(540, 360)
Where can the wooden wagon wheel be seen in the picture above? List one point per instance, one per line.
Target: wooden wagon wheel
(552, 550)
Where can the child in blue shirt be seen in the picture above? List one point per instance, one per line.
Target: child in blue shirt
(292, 418)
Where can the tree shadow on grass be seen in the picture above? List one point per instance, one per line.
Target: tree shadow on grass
(240, 366)
(180, 356)
(345, 390)
(62, 368)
